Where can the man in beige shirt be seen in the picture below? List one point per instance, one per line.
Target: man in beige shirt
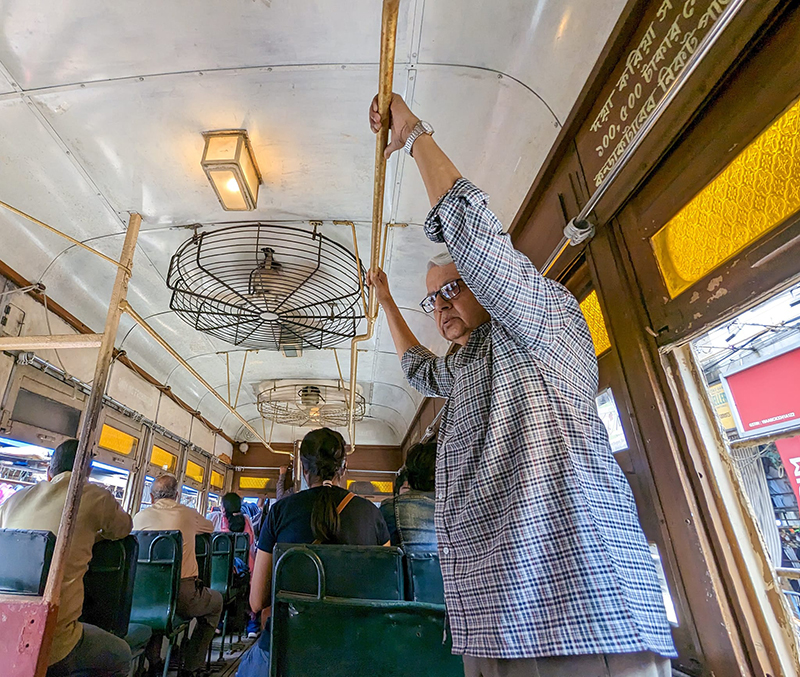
(78, 648)
(194, 599)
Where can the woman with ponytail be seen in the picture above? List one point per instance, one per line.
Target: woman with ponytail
(324, 513)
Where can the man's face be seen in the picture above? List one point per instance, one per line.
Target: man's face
(456, 317)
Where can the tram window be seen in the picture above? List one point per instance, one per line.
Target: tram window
(250, 499)
(190, 497)
(148, 484)
(110, 477)
(751, 367)
(672, 616)
(253, 482)
(42, 412)
(609, 415)
(213, 501)
(217, 480)
(163, 459)
(195, 471)
(117, 441)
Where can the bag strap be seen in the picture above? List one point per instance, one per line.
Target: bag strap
(339, 508)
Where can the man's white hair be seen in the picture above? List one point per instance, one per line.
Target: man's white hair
(441, 260)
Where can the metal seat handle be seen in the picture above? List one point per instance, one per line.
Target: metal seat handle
(321, 583)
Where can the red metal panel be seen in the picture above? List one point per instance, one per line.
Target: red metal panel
(766, 396)
(26, 631)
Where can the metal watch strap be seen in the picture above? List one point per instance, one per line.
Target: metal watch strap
(419, 129)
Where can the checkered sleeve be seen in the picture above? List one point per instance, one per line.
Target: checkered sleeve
(530, 306)
(427, 373)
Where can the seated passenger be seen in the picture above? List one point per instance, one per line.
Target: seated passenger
(78, 648)
(323, 513)
(409, 515)
(194, 599)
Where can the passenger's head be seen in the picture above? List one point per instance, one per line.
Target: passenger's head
(63, 458)
(164, 486)
(232, 507)
(323, 455)
(421, 466)
(458, 316)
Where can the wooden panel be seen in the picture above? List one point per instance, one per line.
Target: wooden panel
(725, 128)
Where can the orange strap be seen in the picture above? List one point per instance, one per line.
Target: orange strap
(339, 508)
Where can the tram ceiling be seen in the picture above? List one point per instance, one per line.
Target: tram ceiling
(101, 114)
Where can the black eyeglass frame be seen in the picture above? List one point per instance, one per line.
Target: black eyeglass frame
(446, 294)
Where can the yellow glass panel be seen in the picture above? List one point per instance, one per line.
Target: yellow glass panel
(253, 482)
(383, 487)
(163, 459)
(195, 471)
(117, 441)
(590, 306)
(217, 480)
(756, 192)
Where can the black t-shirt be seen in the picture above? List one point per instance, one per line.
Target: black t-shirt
(289, 521)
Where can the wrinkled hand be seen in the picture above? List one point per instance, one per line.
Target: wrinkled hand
(379, 285)
(401, 122)
(283, 469)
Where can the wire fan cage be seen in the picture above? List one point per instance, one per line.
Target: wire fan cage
(267, 286)
(309, 405)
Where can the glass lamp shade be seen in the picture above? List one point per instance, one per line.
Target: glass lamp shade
(231, 168)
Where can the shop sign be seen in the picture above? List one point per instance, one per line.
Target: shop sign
(790, 455)
(720, 403)
(765, 397)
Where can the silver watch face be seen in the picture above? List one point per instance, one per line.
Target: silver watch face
(427, 129)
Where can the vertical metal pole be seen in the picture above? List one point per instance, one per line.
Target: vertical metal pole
(385, 81)
(88, 433)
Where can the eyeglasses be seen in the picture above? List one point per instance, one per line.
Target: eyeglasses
(448, 291)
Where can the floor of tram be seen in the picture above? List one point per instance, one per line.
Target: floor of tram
(230, 660)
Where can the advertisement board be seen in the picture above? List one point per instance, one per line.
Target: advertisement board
(765, 397)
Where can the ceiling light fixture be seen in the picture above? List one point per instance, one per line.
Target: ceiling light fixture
(230, 166)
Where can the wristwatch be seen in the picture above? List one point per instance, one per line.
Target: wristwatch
(419, 129)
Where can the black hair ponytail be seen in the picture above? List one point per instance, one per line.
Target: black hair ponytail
(232, 507)
(322, 452)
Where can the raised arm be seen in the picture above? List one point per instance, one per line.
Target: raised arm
(426, 372)
(503, 280)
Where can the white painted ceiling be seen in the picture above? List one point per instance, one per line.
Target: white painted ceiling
(102, 106)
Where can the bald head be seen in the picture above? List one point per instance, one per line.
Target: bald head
(165, 486)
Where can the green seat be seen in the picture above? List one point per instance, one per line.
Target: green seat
(202, 550)
(108, 585)
(357, 571)
(25, 557)
(221, 577)
(381, 637)
(156, 585)
(424, 578)
(241, 547)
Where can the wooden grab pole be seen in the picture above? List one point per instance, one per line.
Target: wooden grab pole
(385, 80)
(88, 434)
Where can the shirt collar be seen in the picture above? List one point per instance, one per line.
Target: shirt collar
(62, 477)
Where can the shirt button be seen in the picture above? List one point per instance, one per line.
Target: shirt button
(446, 550)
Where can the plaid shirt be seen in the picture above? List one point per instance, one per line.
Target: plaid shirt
(539, 540)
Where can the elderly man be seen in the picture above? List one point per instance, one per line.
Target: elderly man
(546, 569)
(194, 599)
(78, 648)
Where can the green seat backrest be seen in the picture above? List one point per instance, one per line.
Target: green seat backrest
(222, 563)
(158, 576)
(359, 571)
(25, 557)
(108, 585)
(241, 547)
(344, 637)
(424, 578)
(202, 551)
